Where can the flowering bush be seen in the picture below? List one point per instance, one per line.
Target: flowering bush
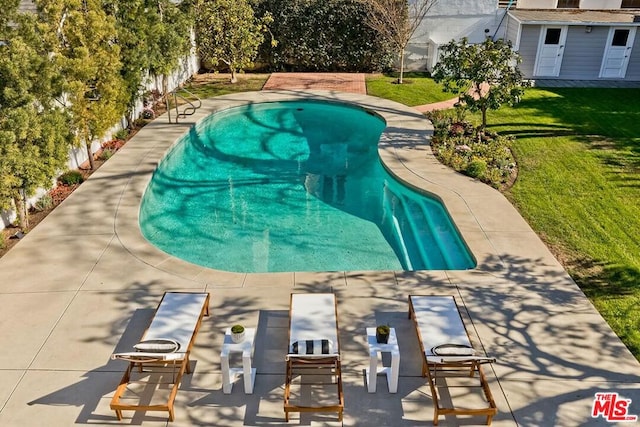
(482, 155)
(113, 145)
(59, 193)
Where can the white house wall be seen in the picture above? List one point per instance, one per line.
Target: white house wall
(448, 20)
(463, 7)
(584, 4)
(537, 4)
(600, 4)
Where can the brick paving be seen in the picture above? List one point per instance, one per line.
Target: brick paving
(342, 82)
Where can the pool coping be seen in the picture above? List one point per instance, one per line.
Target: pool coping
(404, 151)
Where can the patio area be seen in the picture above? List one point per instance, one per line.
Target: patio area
(84, 284)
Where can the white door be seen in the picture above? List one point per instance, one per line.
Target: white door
(617, 53)
(550, 51)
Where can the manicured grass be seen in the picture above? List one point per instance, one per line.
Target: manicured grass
(578, 153)
(210, 85)
(417, 89)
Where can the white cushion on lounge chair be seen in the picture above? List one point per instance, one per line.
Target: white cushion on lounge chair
(313, 317)
(175, 320)
(439, 323)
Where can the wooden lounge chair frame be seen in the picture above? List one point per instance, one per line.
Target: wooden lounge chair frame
(179, 362)
(307, 364)
(434, 366)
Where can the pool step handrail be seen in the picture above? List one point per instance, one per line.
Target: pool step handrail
(192, 101)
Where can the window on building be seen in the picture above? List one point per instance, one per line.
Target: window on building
(630, 4)
(620, 38)
(552, 36)
(568, 4)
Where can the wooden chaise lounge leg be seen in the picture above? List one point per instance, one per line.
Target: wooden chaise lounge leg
(287, 390)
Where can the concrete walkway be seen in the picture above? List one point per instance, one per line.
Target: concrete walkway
(84, 284)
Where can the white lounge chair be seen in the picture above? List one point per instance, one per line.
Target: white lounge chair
(447, 351)
(314, 350)
(167, 342)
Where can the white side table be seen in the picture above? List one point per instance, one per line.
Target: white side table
(390, 371)
(245, 347)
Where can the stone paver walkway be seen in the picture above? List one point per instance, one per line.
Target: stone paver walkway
(342, 82)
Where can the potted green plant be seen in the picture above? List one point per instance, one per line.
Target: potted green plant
(382, 334)
(237, 333)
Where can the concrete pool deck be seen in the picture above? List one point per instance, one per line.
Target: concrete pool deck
(84, 283)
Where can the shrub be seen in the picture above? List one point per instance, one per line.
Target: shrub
(71, 178)
(122, 134)
(482, 155)
(326, 35)
(113, 145)
(477, 168)
(59, 193)
(45, 202)
(106, 154)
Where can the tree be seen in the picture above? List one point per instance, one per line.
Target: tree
(397, 21)
(83, 45)
(485, 75)
(153, 36)
(169, 40)
(34, 134)
(345, 44)
(134, 39)
(228, 31)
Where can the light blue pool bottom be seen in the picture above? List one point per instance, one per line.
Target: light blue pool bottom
(293, 186)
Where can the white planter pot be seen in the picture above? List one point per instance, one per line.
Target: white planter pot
(236, 338)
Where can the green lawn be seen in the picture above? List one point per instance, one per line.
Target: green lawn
(578, 153)
(417, 89)
(210, 85)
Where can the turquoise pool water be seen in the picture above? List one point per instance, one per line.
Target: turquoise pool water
(293, 186)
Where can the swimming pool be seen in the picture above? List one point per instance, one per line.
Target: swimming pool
(293, 186)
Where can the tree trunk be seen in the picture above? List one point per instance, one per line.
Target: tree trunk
(234, 78)
(23, 216)
(165, 96)
(90, 154)
(400, 79)
(484, 117)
